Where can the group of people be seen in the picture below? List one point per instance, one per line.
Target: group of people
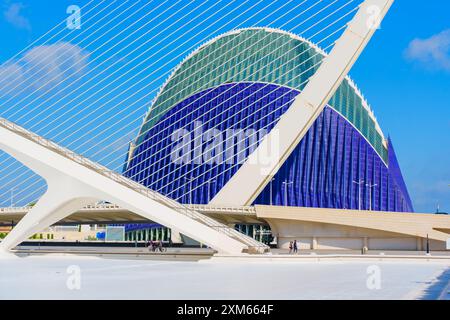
(293, 247)
(155, 246)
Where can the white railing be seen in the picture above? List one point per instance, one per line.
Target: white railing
(245, 210)
(250, 210)
(252, 244)
(15, 210)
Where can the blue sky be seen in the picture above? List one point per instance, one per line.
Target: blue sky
(411, 96)
(404, 73)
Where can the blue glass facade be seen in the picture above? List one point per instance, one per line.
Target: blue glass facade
(319, 173)
(324, 167)
(250, 106)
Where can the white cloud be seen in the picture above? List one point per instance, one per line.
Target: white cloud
(11, 75)
(44, 67)
(13, 14)
(433, 52)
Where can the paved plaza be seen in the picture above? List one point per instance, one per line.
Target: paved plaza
(75, 277)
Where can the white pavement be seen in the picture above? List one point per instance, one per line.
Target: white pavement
(46, 277)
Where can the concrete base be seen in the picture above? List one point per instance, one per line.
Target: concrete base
(329, 257)
(318, 236)
(338, 229)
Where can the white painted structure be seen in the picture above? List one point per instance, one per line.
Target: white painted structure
(75, 182)
(255, 173)
(313, 228)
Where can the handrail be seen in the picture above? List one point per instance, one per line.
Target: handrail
(183, 209)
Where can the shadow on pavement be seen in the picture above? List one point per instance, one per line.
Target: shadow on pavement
(436, 289)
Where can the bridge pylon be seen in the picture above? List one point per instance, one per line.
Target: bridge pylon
(74, 182)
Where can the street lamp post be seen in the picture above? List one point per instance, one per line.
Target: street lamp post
(360, 183)
(12, 197)
(209, 189)
(190, 188)
(370, 194)
(271, 191)
(286, 183)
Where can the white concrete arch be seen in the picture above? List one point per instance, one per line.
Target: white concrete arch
(74, 182)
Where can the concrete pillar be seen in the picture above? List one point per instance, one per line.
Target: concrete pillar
(419, 244)
(314, 244)
(366, 242)
(175, 236)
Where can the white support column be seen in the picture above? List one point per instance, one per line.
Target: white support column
(245, 186)
(58, 202)
(71, 186)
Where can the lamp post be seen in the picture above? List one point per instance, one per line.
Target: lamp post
(190, 188)
(286, 183)
(12, 197)
(209, 189)
(271, 191)
(360, 183)
(370, 194)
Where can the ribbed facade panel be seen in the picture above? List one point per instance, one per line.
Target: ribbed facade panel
(246, 107)
(319, 173)
(323, 169)
(259, 55)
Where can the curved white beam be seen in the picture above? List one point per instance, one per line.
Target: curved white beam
(245, 186)
(411, 224)
(72, 186)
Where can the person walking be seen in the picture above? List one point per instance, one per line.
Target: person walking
(150, 245)
(295, 247)
(290, 247)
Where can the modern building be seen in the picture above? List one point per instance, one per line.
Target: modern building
(244, 81)
(222, 100)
